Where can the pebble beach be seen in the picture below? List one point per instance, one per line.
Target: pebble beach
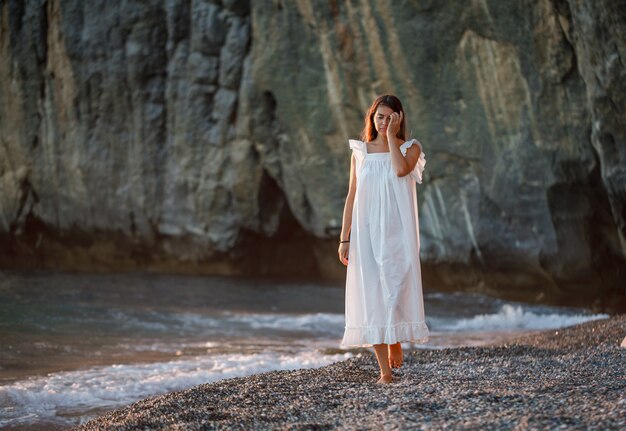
(571, 378)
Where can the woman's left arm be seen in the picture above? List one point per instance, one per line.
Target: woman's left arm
(402, 165)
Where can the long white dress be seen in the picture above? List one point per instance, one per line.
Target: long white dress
(384, 300)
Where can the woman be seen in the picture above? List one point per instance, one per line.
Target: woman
(380, 238)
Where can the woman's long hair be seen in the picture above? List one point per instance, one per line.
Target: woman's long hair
(369, 133)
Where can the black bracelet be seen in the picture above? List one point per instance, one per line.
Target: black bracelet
(341, 242)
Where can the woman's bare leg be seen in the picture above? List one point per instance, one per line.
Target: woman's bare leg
(395, 355)
(382, 355)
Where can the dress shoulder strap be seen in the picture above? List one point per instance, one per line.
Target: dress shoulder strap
(418, 170)
(357, 145)
(359, 149)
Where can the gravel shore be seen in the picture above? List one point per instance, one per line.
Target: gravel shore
(571, 378)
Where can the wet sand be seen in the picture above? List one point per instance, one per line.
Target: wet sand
(571, 378)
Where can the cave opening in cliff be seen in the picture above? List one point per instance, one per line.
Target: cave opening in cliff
(282, 248)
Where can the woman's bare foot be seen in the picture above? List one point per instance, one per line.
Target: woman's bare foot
(384, 379)
(395, 355)
(382, 351)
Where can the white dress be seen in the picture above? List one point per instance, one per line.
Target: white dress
(384, 300)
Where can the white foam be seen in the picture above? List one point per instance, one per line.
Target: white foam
(511, 317)
(116, 385)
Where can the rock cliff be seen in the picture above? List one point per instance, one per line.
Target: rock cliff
(211, 136)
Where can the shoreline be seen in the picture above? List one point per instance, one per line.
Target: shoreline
(572, 377)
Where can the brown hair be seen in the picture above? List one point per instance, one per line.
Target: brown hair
(369, 132)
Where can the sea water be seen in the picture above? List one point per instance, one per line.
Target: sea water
(73, 346)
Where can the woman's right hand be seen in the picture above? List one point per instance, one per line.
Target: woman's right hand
(395, 121)
(343, 251)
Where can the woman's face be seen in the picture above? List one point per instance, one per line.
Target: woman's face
(381, 119)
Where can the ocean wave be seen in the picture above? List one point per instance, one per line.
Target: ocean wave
(512, 317)
(508, 317)
(232, 323)
(315, 322)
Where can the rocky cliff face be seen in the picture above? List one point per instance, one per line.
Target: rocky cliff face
(212, 136)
